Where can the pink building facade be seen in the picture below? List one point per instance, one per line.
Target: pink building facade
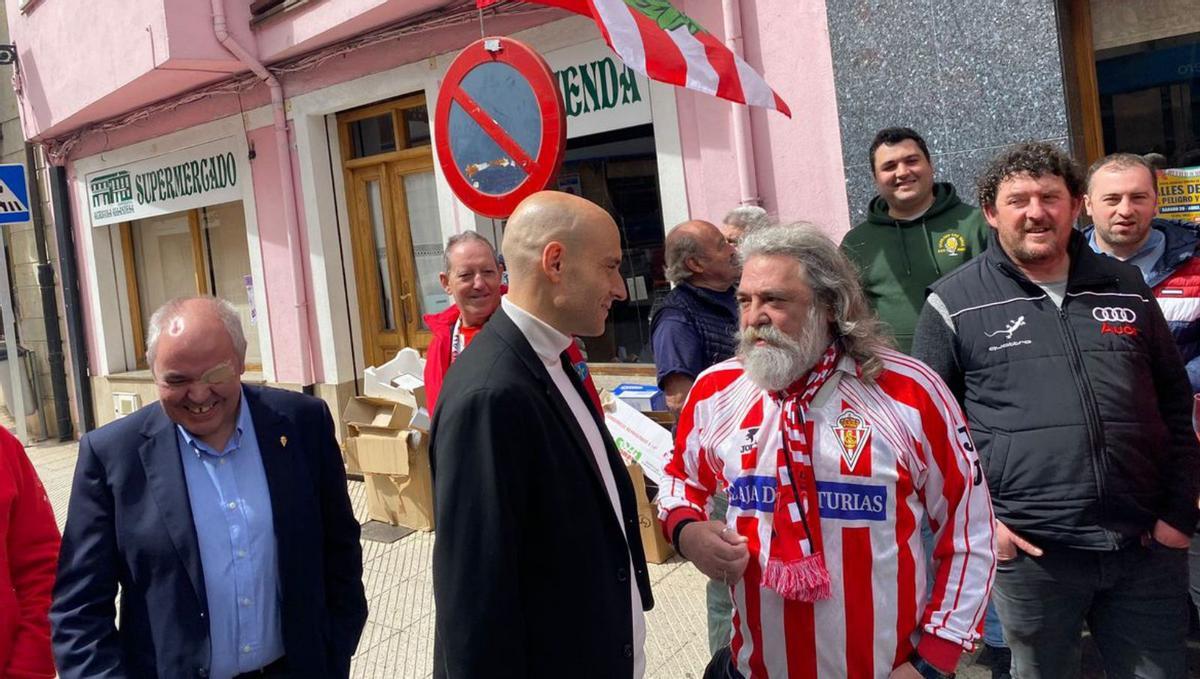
(321, 214)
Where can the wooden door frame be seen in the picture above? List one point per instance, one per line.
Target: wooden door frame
(1079, 61)
(406, 259)
(362, 238)
(390, 168)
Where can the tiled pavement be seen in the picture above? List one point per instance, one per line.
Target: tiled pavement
(398, 639)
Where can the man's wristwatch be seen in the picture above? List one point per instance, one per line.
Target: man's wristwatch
(926, 670)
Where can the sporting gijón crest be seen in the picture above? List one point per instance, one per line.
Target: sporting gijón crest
(853, 434)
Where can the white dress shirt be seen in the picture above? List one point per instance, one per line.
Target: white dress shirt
(549, 344)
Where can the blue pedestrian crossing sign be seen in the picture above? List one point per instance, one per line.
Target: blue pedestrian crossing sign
(14, 194)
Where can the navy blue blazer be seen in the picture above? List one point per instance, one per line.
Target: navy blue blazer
(130, 526)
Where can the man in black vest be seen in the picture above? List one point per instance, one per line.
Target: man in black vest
(693, 326)
(1081, 409)
(691, 329)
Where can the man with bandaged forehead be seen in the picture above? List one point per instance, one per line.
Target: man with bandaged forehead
(221, 515)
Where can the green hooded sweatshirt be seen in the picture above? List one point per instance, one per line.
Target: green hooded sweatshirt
(898, 260)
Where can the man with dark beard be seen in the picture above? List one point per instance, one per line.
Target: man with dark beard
(1081, 407)
(833, 449)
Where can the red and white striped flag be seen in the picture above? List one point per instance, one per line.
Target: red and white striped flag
(664, 44)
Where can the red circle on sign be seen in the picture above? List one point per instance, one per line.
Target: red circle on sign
(540, 169)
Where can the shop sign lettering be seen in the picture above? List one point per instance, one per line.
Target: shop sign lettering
(600, 93)
(186, 179)
(597, 86)
(204, 175)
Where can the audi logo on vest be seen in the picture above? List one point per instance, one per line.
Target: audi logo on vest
(1115, 320)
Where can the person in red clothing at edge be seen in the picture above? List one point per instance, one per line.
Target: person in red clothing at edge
(472, 277)
(29, 558)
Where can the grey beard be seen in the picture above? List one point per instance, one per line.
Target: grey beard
(776, 366)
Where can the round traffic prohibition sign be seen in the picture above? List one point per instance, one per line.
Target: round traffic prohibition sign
(501, 131)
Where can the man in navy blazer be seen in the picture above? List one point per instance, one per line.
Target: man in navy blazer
(221, 515)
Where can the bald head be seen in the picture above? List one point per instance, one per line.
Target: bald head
(696, 229)
(544, 218)
(190, 317)
(697, 252)
(563, 255)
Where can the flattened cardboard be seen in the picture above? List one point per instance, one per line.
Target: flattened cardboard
(383, 451)
(655, 544)
(400, 501)
(350, 456)
(404, 500)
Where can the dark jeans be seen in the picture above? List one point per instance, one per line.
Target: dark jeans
(275, 670)
(1133, 601)
(721, 666)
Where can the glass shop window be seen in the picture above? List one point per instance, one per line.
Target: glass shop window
(201, 251)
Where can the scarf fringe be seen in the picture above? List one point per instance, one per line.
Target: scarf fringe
(805, 579)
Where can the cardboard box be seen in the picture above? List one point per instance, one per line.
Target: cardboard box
(350, 456)
(397, 500)
(404, 499)
(644, 397)
(383, 451)
(655, 544)
(365, 413)
(639, 439)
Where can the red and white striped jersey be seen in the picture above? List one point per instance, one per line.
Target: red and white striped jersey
(886, 455)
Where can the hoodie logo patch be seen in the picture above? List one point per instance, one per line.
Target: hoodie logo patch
(952, 244)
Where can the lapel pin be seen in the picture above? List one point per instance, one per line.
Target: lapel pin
(283, 441)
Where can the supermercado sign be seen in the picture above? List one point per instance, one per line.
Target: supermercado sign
(201, 175)
(599, 92)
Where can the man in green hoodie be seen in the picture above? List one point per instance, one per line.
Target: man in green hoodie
(916, 231)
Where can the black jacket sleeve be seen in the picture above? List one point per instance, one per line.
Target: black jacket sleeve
(83, 612)
(934, 345)
(481, 479)
(345, 597)
(1175, 403)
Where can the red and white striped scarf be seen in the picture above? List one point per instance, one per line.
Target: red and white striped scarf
(795, 567)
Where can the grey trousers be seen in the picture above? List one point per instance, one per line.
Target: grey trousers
(1194, 571)
(720, 604)
(1133, 600)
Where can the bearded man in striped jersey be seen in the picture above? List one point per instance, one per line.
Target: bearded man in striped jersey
(833, 448)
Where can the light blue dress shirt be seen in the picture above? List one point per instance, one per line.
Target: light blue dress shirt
(1146, 257)
(231, 508)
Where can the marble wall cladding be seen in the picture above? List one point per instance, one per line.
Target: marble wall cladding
(972, 76)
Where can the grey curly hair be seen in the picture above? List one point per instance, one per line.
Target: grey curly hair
(834, 283)
(748, 218)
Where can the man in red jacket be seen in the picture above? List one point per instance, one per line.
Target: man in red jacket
(472, 278)
(29, 553)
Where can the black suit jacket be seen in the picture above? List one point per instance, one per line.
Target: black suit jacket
(130, 525)
(530, 565)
